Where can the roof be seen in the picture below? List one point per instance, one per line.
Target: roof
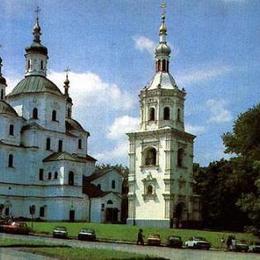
(64, 156)
(37, 47)
(35, 84)
(32, 125)
(2, 80)
(162, 80)
(7, 109)
(101, 172)
(72, 124)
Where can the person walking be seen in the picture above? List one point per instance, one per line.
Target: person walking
(140, 237)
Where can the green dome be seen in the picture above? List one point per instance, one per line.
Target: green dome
(5, 108)
(35, 84)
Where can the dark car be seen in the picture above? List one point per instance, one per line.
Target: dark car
(15, 228)
(60, 232)
(174, 241)
(197, 243)
(154, 240)
(240, 246)
(254, 247)
(87, 234)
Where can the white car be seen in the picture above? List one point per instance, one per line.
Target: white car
(197, 243)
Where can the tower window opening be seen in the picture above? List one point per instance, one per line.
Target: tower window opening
(150, 157)
(149, 190)
(2, 94)
(35, 113)
(54, 115)
(28, 64)
(41, 64)
(71, 178)
(11, 130)
(166, 113)
(180, 157)
(152, 114)
(164, 65)
(79, 144)
(10, 161)
(60, 146)
(178, 115)
(113, 184)
(41, 174)
(48, 143)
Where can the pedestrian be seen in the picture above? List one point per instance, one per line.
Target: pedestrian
(140, 237)
(229, 242)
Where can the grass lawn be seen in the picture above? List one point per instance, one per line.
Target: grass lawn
(129, 233)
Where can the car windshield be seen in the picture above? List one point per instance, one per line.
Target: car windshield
(199, 239)
(60, 228)
(87, 230)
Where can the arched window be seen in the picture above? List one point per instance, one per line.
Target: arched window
(41, 64)
(151, 114)
(48, 143)
(149, 190)
(178, 115)
(10, 160)
(35, 113)
(69, 112)
(166, 113)
(71, 178)
(150, 156)
(41, 171)
(109, 202)
(49, 175)
(28, 64)
(180, 157)
(99, 186)
(80, 144)
(60, 146)
(2, 94)
(54, 115)
(11, 130)
(164, 65)
(56, 175)
(113, 184)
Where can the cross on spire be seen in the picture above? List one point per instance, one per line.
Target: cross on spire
(37, 11)
(1, 62)
(163, 7)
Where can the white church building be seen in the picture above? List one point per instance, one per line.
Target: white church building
(44, 151)
(161, 152)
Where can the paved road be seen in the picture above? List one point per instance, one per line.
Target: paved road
(173, 254)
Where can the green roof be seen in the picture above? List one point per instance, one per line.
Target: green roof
(5, 108)
(35, 84)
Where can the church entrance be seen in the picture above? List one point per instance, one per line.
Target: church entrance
(112, 215)
(178, 214)
(72, 215)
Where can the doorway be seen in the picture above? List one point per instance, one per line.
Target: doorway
(72, 215)
(112, 215)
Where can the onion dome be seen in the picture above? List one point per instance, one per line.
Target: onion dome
(6, 109)
(2, 79)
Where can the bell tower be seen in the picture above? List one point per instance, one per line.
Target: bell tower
(161, 152)
(2, 83)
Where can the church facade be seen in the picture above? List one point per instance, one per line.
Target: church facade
(44, 151)
(161, 152)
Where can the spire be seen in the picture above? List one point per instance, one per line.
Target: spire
(67, 83)
(2, 79)
(162, 51)
(36, 27)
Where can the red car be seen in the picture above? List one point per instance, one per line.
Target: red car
(15, 228)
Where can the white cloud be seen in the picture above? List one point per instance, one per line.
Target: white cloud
(203, 74)
(121, 126)
(195, 129)
(219, 112)
(89, 90)
(143, 43)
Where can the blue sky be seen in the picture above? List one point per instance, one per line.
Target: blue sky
(109, 47)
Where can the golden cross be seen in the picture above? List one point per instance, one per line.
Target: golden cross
(37, 11)
(163, 6)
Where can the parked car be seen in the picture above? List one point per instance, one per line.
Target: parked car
(15, 227)
(240, 246)
(174, 241)
(197, 243)
(254, 247)
(87, 234)
(154, 240)
(60, 232)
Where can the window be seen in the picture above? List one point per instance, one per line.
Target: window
(10, 160)
(150, 156)
(60, 146)
(11, 130)
(179, 115)
(41, 64)
(7, 211)
(180, 156)
(48, 143)
(110, 202)
(149, 190)
(71, 178)
(41, 174)
(166, 113)
(54, 115)
(56, 175)
(42, 212)
(35, 113)
(28, 64)
(99, 186)
(164, 65)
(113, 184)
(152, 114)
(80, 144)
(69, 112)
(49, 175)
(2, 94)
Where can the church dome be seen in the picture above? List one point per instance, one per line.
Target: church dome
(35, 84)
(37, 47)
(5, 108)
(162, 50)
(2, 80)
